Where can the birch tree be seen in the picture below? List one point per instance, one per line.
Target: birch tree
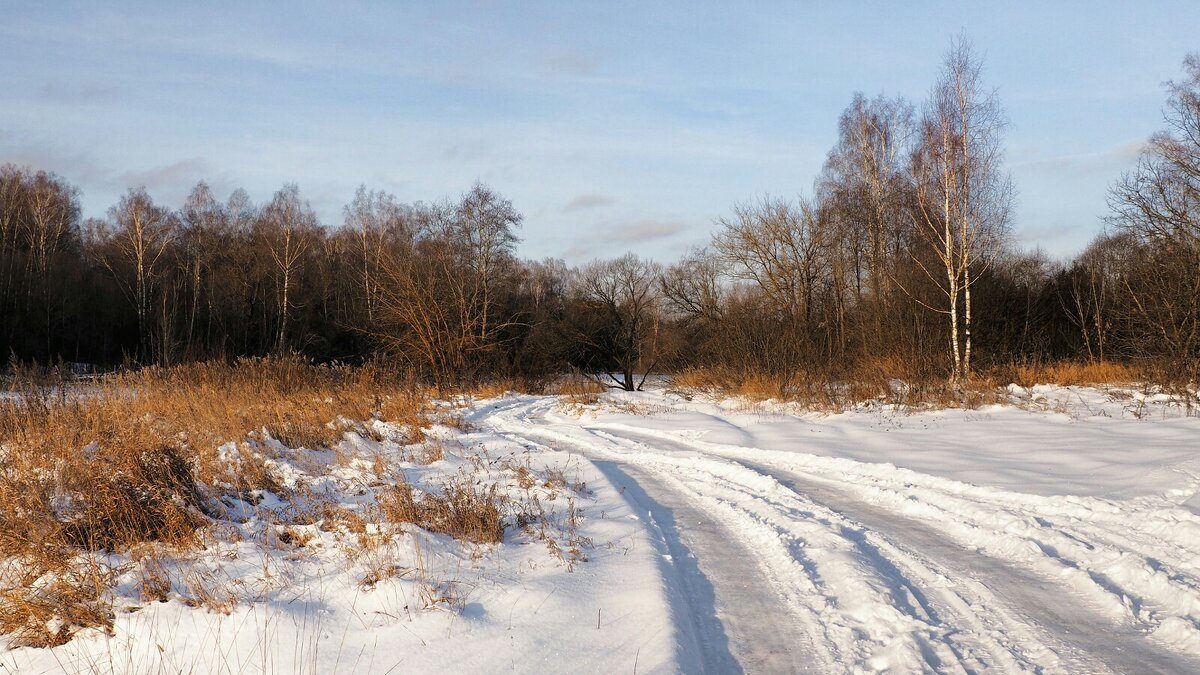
(203, 224)
(51, 225)
(866, 179)
(379, 223)
(287, 229)
(140, 233)
(963, 195)
(486, 225)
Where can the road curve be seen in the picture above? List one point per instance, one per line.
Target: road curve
(774, 571)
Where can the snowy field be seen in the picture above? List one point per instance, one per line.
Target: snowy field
(658, 532)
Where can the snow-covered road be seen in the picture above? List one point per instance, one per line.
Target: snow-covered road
(782, 555)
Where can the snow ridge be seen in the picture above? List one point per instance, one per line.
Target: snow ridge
(871, 599)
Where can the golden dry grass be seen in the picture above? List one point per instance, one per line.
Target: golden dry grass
(893, 381)
(577, 391)
(134, 458)
(885, 380)
(462, 511)
(117, 462)
(46, 608)
(147, 468)
(1066, 373)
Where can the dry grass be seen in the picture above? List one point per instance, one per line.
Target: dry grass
(577, 391)
(1065, 373)
(883, 380)
(894, 382)
(537, 516)
(46, 611)
(166, 472)
(138, 457)
(795, 387)
(496, 388)
(120, 461)
(462, 511)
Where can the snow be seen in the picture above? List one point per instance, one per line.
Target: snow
(1086, 442)
(438, 606)
(1056, 533)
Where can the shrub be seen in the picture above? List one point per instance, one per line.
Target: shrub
(461, 511)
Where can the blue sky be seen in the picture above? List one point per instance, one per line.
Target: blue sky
(612, 126)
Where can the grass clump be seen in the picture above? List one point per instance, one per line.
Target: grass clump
(46, 609)
(463, 510)
(577, 392)
(151, 457)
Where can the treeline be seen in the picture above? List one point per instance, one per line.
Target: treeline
(221, 278)
(899, 264)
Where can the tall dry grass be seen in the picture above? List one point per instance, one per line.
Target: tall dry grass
(1081, 373)
(886, 380)
(577, 391)
(462, 511)
(136, 458)
(895, 382)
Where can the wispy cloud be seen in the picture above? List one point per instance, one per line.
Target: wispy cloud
(170, 175)
(1114, 157)
(646, 230)
(589, 201)
(59, 92)
(76, 165)
(572, 64)
(577, 252)
(168, 183)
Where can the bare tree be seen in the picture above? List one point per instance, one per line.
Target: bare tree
(486, 225)
(1093, 281)
(963, 196)
(12, 207)
(1157, 206)
(1158, 203)
(694, 287)
(50, 224)
(439, 279)
(867, 181)
(379, 223)
(620, 329)
(53, 209)
(203, 221)
(1160, 199)
(287, 228)
(140, 233)
(428, 312)
(778, 246)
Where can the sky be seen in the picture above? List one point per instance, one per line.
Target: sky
(611, 126)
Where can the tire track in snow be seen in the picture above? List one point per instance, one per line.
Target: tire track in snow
(965, 631)
(842, 581)
(725, 610)
(1089, 637)
(1088, 642)
(1133, 561)
(726, 594)
(1012, 605)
